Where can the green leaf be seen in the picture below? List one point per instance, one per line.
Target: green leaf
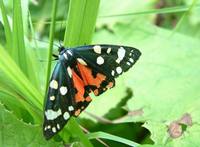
(109, 99)
(164, 81)
(17, 133)
(15, 103)
(77, 132)
(158, 131)
(117, 7)
(194, 14)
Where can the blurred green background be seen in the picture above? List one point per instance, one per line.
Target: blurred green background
(156, 103)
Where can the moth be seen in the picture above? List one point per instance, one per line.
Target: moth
(78, 72)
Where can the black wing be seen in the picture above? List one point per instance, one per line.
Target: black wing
(60, 103)
(108, 60)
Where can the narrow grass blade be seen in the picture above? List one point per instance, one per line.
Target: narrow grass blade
(25, 7)
(19, 51)
(80, 26)
(111, 137)
(175, 9)
(6, 27)
(194, 3)
(11, 75)
(51, 36)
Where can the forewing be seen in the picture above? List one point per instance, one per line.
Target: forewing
(60, 102)
(81, 98)
(99, 65)
(111, 60)
(93, 80)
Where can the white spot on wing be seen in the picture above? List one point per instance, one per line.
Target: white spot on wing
(81, 61)
(128, 63)
(69, 52)
(100, 60)
(97, 49)
(108, 50)
(69, 70)
(66, 115)
(71, 108)
(52, 98)
(113, 73)
(65, 56)
(51, 115)
(121, 54)
(131, 60)
(48, 127)
(54, 84)
(118, 60)
(58, 126)
(63, 90)
(119, 70)
(54, 129)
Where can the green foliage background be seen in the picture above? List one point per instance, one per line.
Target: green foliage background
(156, 103)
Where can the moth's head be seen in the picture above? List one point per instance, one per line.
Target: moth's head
(65, 54)
(61, 49)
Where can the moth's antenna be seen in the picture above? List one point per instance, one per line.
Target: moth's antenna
(61, 25)
(46, 42)
(33, 32)
(59, 38)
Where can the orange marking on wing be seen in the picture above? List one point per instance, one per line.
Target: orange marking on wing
(88, 78)
(88, 99)
(77, 112)
(79, 85)
(96, 92)
(110, 85)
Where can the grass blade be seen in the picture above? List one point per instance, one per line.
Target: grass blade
(80, 28)
(194, 3)
(50, 50)
(6, 27)
(76, 131)
(18, 81)
(111, 137)
(79, 31)
(19, 51)
(175, 9)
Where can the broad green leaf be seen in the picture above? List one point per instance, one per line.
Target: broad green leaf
(77, 132)
(115, 7)
(17, 133)
(194, 15)
(164, 81)
(107, 100)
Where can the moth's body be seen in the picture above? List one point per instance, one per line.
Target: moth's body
(79, 71)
